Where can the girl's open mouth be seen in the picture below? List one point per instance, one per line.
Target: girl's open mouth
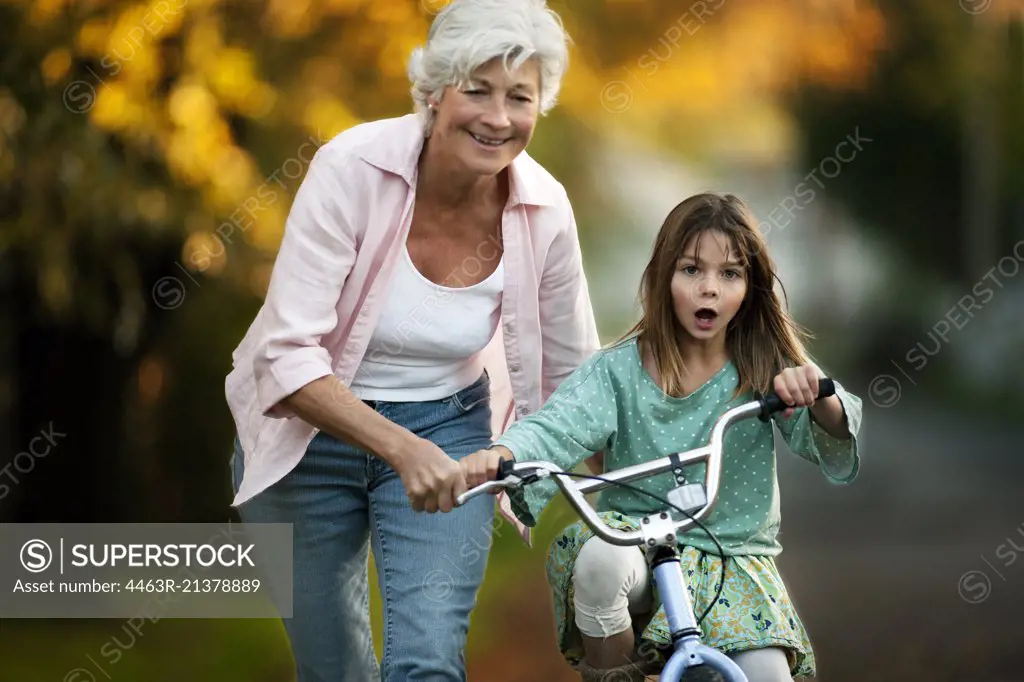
(705, 318)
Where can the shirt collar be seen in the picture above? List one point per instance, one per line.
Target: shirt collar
(396, 149)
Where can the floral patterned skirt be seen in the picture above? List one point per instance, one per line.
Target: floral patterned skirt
(752, 612)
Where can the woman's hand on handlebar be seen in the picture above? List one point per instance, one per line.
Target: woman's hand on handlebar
(431, 478)
(482, 465)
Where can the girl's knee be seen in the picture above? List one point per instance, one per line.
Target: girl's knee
(607, 581)
(604, 570)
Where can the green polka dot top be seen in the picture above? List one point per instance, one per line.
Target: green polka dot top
(611, 404)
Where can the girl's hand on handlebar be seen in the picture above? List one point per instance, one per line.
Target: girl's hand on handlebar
(798, 387)
(482, 465)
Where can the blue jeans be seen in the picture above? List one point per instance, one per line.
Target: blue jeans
(429, 566)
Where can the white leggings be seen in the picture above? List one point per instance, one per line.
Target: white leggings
(612, 585)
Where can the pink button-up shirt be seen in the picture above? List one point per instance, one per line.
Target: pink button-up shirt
(347, 225)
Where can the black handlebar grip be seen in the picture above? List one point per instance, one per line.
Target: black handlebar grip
(771, 404)
(826, 388)
(505, 469)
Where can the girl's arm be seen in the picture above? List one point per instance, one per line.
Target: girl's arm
(596, 463)
(829, 414)
(824, 433)
(578, 420)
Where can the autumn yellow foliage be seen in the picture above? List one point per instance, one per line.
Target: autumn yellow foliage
(178, 79)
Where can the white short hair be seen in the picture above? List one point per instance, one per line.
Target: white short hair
(468, 33)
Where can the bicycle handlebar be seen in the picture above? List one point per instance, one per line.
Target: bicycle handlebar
(516, 474)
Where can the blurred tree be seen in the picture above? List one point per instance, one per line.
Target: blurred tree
(941, 180)
(939, 185)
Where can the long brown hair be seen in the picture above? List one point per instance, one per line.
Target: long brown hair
(762, 339)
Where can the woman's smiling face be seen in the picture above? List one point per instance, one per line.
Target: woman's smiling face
(489, 121)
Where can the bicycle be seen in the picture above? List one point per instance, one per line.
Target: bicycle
(658, 532)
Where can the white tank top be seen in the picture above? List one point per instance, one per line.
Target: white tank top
(428, 339)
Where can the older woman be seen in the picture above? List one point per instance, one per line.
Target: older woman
(428, 290)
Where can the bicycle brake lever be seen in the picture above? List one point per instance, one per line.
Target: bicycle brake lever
(507, 471)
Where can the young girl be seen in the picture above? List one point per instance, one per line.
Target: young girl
(713, 331)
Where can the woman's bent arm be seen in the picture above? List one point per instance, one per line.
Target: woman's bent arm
(330, 406)
(431, 478)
